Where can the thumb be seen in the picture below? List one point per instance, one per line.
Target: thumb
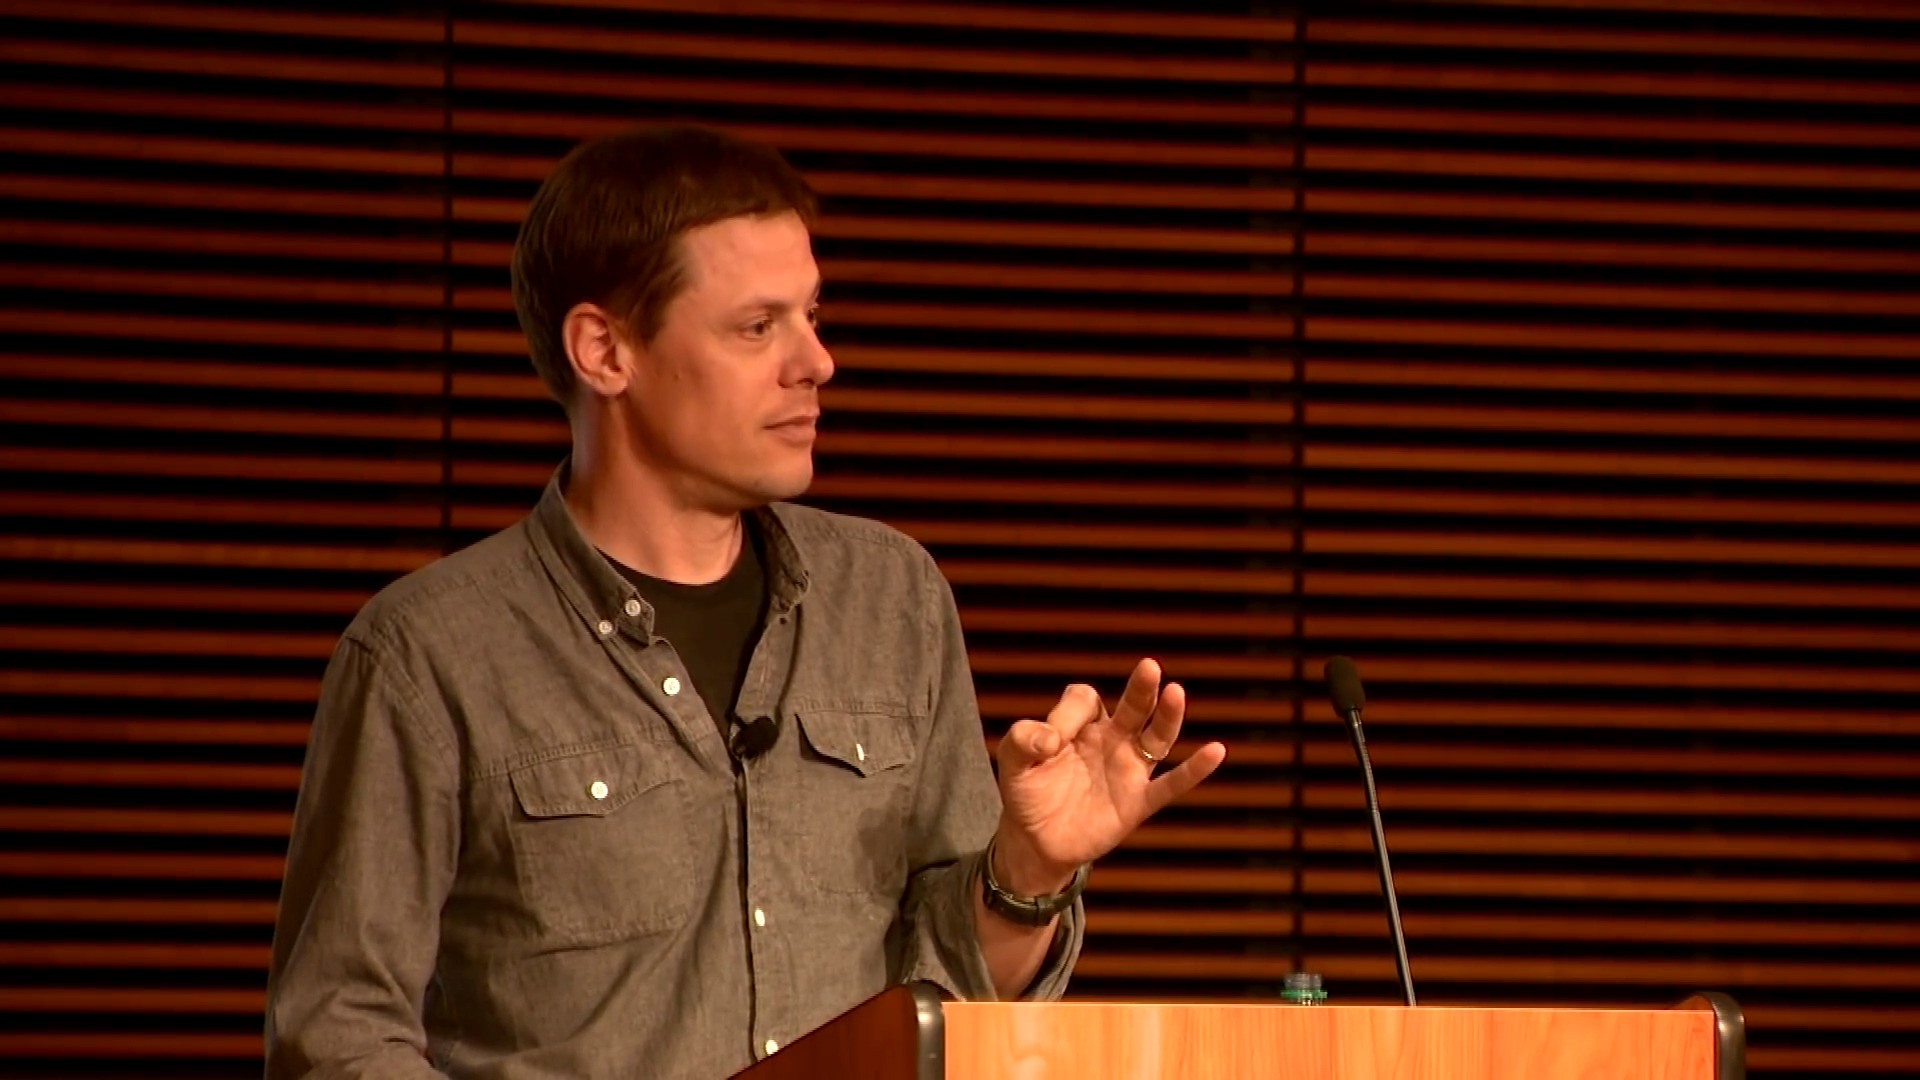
(1028, 743)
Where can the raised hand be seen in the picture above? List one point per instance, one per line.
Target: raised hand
(1077, 784)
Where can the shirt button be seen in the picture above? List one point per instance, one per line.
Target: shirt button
(633, 608)
(605, 628)
(772, 1047)
(597, 789)
(671, 686)
(860, 750)
(759, 917)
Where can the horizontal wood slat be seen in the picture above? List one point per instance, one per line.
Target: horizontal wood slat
(1495, 35)
(909, 99)
(236, 65)
(310, 24)
(1730, 383)
(1687, 129)
(1551, 80)
(1892, 11)
(1734, 214)
(998, 17)
(741, 48)
(132, 1047)
(1615, 252)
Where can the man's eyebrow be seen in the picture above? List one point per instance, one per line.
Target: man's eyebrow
(776, 303)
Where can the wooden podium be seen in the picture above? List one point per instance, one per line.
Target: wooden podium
(908, 1033)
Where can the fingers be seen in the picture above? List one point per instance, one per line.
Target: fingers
(1138, 700)
(1163, 727)
(1028, 743)
(1032, 742)
(1079, 705)
(1184, 777)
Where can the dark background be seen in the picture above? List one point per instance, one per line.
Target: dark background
(1556, 360)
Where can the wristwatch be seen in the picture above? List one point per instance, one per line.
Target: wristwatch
(1027, 910)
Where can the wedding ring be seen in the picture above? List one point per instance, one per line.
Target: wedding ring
(1141, 749)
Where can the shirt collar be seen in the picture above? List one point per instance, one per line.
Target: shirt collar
(605, 600)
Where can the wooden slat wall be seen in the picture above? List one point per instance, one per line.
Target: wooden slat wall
(1546, 357)
(1610, 454)
(222, 430)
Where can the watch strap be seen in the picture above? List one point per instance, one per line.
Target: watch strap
(1027, 910)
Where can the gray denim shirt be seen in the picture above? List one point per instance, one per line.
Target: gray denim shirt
(521, 849)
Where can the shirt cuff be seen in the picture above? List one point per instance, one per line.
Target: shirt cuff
(945, 947)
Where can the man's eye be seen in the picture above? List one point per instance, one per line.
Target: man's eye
(813, 317)
(759, 327)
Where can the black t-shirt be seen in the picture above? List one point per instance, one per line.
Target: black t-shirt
(712, 627)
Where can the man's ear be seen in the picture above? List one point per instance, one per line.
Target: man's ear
(595, 349)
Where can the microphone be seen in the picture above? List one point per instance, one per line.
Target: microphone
(1343, 686)
(753, 736)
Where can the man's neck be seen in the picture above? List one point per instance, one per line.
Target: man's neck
(640, 522)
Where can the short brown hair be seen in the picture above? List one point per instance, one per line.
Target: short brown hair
(605, 228)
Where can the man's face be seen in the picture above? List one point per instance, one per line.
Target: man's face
(726, 395)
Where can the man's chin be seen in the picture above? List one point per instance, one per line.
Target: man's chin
(781, 485)
(797, 484)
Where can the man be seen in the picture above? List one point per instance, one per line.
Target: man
(673, 772)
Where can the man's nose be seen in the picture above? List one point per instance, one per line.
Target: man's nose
(813, 364)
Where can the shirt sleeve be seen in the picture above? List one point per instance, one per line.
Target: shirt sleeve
(956, 809)
(372, 856)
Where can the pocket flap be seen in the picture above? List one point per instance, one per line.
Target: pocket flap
(867, 742)
(593, 784)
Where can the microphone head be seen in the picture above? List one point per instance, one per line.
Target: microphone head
(1343, 686)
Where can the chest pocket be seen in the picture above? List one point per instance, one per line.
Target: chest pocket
(856, 825)
(601, 846)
